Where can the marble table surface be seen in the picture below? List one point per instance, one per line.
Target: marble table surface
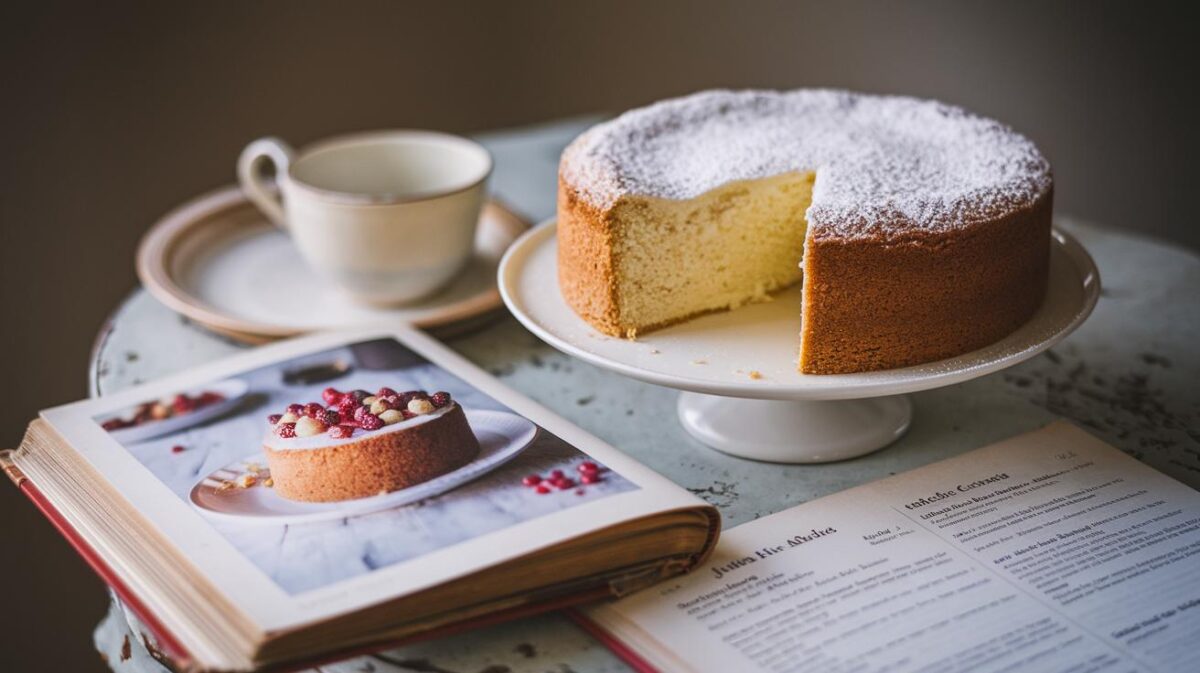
(1131, 375)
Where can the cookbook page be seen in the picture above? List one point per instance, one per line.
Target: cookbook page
(1051, 551)
(280, 536)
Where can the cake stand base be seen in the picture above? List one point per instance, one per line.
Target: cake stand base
(791, 431)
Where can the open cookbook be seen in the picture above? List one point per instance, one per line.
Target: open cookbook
(338, 494)
(1050, 551)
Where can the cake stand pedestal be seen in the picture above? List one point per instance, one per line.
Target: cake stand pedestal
(741, 393)
(784, 431)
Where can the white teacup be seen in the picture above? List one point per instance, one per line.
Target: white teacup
(388, 216)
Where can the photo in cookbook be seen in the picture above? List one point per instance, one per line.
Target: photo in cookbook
(376, 456)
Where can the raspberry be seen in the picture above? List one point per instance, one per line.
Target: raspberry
(360, 413)
(407, 414)
(564, 483)
(410, 395)
(286, 430)
(590, 478)
(370, 422)
(314, 410)
(359, 394)
(588, 466)
(385, 392)
(542, 490)
(532, 480)
(331, 395)
(348, 403)
(341, 431)
(331, 417)
(274, 418)
(177, 449)
(395, 401)
(296, 409)
(114, 424)
(440, 399)
(556, 474)
(209, 397)
(182, 404)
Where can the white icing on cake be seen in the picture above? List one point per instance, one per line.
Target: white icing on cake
(324, 441)
(884, 164)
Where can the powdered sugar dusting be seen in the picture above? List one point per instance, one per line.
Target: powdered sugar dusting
(884, 164)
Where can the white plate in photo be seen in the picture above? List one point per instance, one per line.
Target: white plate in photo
(233, 390)
(501, 435)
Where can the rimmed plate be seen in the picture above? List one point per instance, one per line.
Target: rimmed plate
(233, 390)
(501, 435)
(218, 261)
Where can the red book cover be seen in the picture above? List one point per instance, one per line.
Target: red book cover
(166, 643)
(615, 645)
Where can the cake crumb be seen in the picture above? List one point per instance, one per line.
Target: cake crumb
(699, 362)
(654, 351)
(246, 481)
(268, 482)
(755, 374)
(224, 486)
(631, 333)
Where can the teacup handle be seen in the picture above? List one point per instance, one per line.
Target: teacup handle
(277, 152)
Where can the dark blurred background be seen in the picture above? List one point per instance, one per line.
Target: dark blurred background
(113, 113)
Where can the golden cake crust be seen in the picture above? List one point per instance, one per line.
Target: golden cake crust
(869, 305)
(375, 463)
(585, 261)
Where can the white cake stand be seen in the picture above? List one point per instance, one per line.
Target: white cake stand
(742, 393)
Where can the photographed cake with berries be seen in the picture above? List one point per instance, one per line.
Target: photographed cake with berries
(357, 444)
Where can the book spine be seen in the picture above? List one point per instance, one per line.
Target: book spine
(10, 468)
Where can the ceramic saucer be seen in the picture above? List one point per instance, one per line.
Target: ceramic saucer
(218, 261)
